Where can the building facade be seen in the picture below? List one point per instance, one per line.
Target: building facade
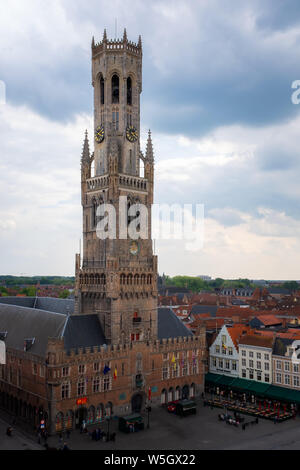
(111, 351)
(255, 358)
(224, 351)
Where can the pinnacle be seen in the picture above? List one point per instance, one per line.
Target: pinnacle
(125, 35)
(104, 35)
(85, 156)
(149, 147)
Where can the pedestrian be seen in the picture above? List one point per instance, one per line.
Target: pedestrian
(9, 431)
(60, 438)
(39, 437)
(68, 433)
(65, 447)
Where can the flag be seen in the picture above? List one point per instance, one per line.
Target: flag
(106, 369)
(115, 373)
(173, 358)
(224, 346)
(149, 393)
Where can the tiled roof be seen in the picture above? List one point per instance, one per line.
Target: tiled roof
(236, 331)
(269, 320)
(257, 340)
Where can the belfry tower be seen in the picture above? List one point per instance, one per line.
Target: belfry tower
(116, 278)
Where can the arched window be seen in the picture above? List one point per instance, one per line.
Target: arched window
(101, 89)
(94, 215)
(115, 89)
(129, 91)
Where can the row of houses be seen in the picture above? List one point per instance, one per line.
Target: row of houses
(265, 356)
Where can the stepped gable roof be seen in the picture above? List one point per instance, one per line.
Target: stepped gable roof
(257, 340)
(169, 326)
(236, 331)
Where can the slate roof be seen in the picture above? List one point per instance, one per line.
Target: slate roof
(21, 301)
(280, 346)
(23, 322)
(52, 304)
(78, 331)
(211, 309)
(83, 331)
(169, 326)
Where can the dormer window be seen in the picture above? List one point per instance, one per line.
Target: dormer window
(28, 343)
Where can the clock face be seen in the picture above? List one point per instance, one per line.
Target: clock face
(134, 248)
(131, 133)
(99, 134)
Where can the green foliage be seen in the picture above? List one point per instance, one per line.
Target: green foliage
(64, 294)
(14, 281)
(291, 285)
(196, 284)
(29, 291)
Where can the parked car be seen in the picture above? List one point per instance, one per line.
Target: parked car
(171, 407)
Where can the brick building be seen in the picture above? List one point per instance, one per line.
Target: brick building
(111, 350)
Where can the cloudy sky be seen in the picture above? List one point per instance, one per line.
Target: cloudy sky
(217, 93)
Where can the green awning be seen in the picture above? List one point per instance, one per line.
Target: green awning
(225, 380)
(259, 388)
(294, 396)
(241, 384)
(283, 394)
(212, 378)
(277, 393)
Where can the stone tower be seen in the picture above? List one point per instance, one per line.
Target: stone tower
(117, 277)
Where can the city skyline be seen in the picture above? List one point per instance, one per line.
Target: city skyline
(217, 98)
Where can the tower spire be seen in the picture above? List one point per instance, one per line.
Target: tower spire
(149, 148)
(140, 41)
(104, 35)
(85, 156)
